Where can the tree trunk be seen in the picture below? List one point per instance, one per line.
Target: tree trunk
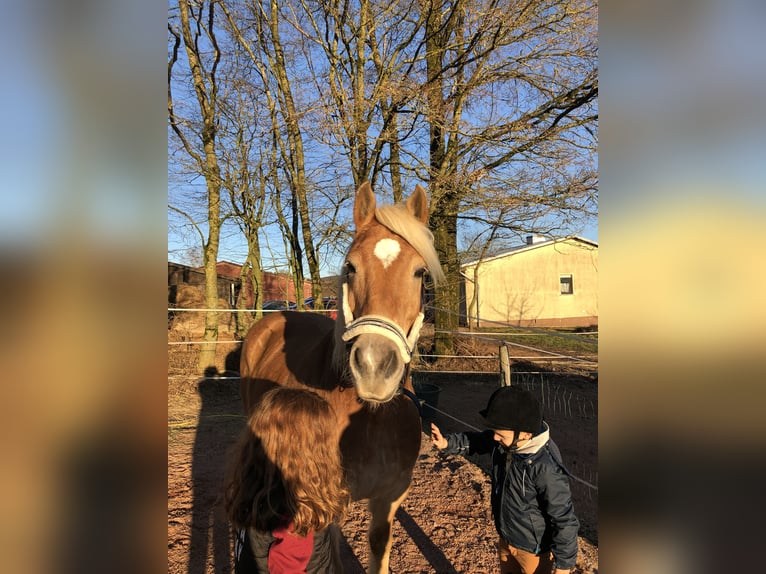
(250, 274)
(444, 202)
(210, 336)
(296, 166)
(447, 294)
(207, 105)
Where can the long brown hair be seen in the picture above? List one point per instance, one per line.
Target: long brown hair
(286, 466)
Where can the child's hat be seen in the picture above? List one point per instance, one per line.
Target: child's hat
(513, 408)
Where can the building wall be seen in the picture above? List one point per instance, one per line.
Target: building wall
(523, 288)
(183, 275)
(275, 285)
(280, 286)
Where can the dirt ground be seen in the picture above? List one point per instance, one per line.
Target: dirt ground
(444, 526)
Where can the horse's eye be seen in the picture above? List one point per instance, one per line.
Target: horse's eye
(349, 268)
(420, 273)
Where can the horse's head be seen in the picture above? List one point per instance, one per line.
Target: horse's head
(380, 310)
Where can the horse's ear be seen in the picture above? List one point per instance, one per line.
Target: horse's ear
(364, 205)
(417, 204)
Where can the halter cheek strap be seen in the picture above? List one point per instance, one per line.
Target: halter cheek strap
(379, 325)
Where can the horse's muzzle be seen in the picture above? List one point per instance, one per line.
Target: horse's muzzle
(376, 366)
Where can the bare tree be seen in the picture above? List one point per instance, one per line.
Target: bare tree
(195, 29)
(361, 57)
(248, 167)
(529, 71)
(262, 42)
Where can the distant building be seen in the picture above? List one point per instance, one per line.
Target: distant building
(544, 283)
(276, 286)
(183, 275)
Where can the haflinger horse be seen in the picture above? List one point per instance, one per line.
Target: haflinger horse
(360, 362)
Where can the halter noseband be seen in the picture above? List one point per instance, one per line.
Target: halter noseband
(380, 325)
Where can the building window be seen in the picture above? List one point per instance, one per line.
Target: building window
(566, 284)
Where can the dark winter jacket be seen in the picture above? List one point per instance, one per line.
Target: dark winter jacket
(531, 501)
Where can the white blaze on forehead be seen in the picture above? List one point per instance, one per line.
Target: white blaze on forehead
(387, 251)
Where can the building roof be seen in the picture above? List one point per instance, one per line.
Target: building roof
(228, 269)
(529, 247)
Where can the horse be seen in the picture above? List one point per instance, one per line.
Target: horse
(360, 362)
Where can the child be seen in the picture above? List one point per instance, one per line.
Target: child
(286, 489)
(531, 502)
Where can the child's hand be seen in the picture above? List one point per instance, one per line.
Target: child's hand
(437, 439)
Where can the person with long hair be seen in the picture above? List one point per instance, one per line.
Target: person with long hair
(285, 490)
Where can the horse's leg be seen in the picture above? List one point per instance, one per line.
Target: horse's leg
(380, 535)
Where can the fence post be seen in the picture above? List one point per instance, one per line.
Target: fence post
(505, 366)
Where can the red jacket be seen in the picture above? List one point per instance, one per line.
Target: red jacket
(290, 554)
(281, 552)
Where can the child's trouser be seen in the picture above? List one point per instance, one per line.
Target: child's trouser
(516, 561)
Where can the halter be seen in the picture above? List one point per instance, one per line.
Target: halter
(379, 325)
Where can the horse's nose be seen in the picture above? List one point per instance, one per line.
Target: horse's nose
(376, 359)
(376, 366)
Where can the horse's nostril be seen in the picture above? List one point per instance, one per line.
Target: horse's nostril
(359, 355)
(390, 364)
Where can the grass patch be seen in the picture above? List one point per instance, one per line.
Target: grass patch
(565, 341)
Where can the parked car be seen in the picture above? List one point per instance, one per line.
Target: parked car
(328, 303)
(278, 305)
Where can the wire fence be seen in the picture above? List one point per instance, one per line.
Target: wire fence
(553, 400)
(495, 337)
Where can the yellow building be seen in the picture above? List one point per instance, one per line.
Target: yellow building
(545, 283)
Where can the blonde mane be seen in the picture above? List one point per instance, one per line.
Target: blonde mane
(397, 219)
